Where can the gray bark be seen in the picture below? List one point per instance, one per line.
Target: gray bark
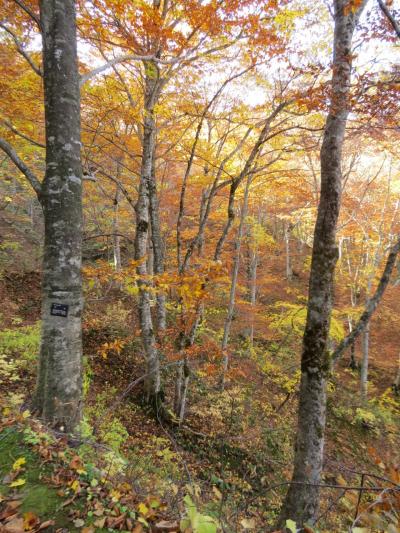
(59, 387)
(302, 502)
(364, 363)
(288, 230)
(143, 220)
(252, 279)
(183, 377)
(395, 25)
(232, 293)
(115, 228)
(157, 245)
(396, 383)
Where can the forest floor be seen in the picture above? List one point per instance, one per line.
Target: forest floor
(129, 471)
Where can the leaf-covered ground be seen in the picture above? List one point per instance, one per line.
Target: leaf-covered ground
(229, 462)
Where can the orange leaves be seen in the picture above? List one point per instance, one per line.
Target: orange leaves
(352, 6)
(108, 347)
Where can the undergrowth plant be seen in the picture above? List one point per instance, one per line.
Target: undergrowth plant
(18, 350)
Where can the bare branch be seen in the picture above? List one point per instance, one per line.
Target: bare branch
(371, 305)
(20, 134)
(390, 17)
(122, 59)
(27, 10)
(30, 176)
(21, 50)
(109, 64)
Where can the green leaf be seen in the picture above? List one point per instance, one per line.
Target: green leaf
(291, 525)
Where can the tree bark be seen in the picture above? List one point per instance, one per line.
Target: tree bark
(302, 502)
(158, 246)
(287, 231)
(152, 383)
(364, 363)
(396, 383)
(252, 279)
(115, 228)
(58, 396)
(232, 294)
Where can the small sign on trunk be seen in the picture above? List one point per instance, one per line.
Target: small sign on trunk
(59, 310)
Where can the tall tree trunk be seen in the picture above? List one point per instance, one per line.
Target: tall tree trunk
(302, 500)
(152, 383)
(364, 362)
(253, 291)
(287, 233)
(396, 383)
(59, 387)
(115, 230)
(232, 294)
(353, 360)
(158, 245)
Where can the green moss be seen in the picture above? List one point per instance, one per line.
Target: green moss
(36, 496)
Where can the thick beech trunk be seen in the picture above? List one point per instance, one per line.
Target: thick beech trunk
(302, 500)
(158, 246)
(59, 387)
(152, 383)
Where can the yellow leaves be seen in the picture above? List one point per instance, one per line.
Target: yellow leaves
(143, 509)
(115, 495)
(30, 520)
(17, 483)
(19, 463)
(76, 486)
(285, 19)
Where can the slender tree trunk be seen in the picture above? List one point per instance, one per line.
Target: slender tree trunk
(230, 219)
(396, 383)
(253, 292)
(289, 273)
(115, 230)
(59, 387)
(353, 360)
(364, 363)
(302, 500)
(232, 294)
(182, 378)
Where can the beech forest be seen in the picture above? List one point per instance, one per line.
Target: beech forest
(200, 266)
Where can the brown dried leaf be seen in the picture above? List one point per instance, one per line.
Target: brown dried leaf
(165, 526)
(45, 525)
(100, 522)
(16, 525)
